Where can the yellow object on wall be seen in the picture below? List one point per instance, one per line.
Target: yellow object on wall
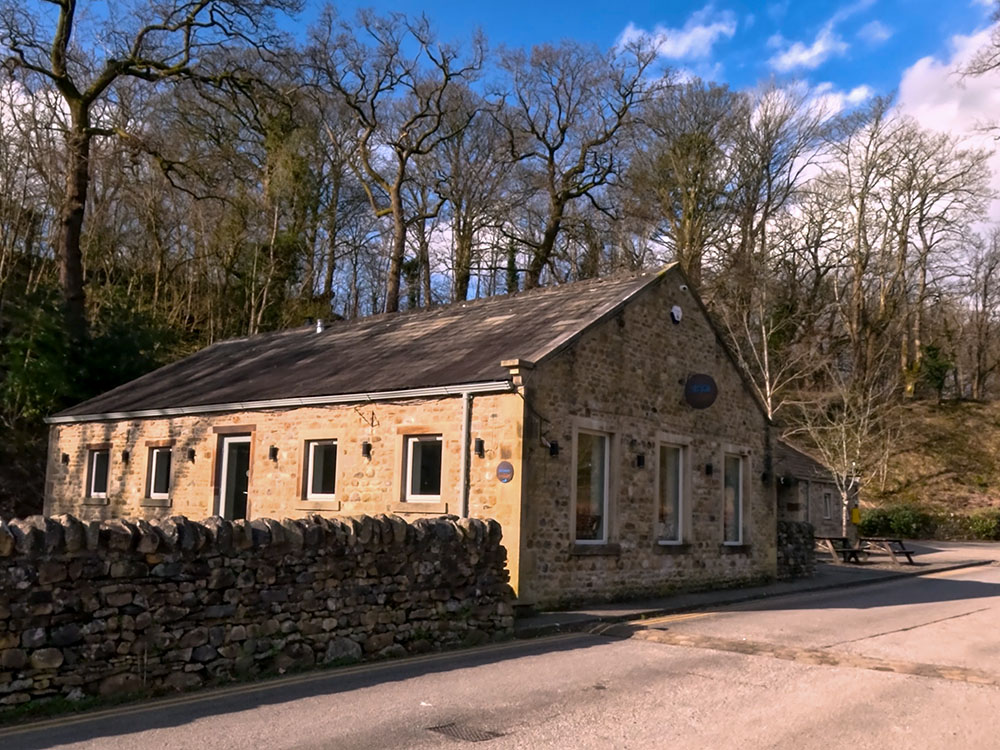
(855, 515)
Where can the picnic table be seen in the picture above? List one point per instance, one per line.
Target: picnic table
(841, 549)
(886, 546)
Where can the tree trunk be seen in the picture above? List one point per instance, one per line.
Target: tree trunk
(398, 252)
(540, 258)
(71, 213)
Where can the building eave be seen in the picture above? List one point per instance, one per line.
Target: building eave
(500, 386)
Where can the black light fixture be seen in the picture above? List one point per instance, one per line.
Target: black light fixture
(640, 460)
(366, 450)
(554, 448)
(272, 453)
(65, 458)
(708, 470)
(480, 447)
(125, 457)
(765, 478)
(191, 455)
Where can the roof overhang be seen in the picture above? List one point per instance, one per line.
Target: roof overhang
(499, 386)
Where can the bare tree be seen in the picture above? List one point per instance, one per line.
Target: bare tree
(83, 62)
(396, 80)
(565, 112)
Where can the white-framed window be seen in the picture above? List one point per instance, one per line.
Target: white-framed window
(732, 501)
(98, 463)
(827, 505)
(159, 473)
(670, 500)
(423, 468)
(321, 469)
(592, 464)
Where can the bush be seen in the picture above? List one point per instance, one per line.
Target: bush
(985, 525)
(905, 521)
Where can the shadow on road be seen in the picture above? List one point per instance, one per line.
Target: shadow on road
(159, 714)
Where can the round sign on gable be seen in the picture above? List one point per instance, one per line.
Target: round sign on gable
(505, 471)
(700, 391)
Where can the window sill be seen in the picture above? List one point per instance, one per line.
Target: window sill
(155, 502)
(682, 548)
(95, 501)
(416, 506)
(734, 549)
(313, 505)
(584, 550)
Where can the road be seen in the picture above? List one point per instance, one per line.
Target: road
(906, 663)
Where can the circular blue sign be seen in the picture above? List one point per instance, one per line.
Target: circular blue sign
(700, 391)
(505, 471)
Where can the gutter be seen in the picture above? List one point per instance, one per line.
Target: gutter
(466, 457)
(465, 389)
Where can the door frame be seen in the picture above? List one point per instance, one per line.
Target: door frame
(225, 442)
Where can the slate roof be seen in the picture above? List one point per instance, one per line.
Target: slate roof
(455, 344)
(790, 461)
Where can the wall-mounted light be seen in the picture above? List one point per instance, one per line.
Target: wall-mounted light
(65, 459)
(272, 453)
(708, 470)
(191, 455)
(640, 460)
(366, 450)
(125, 457)
(480, 447)
(554, 448)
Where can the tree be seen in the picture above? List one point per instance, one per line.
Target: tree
(396, 80)
(565, 111)
(83, 59)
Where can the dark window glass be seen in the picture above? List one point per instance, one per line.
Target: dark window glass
(99, 472)
(161, 471)
(323, 471)
(425, 467)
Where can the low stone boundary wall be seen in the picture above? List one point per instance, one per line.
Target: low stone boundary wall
(122, 606)
(796, 550)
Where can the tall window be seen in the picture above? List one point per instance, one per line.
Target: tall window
(97, 470)
(669, 524)
(423, 468)
(159, 473)
(827, 505)
(321, 469)
(733, 500)
(592, 463)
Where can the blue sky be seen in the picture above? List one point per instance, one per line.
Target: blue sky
(845, 45)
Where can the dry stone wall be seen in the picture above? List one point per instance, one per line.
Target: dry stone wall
(796, 550)
(121, 606)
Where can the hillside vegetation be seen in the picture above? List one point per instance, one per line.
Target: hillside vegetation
(943, 475)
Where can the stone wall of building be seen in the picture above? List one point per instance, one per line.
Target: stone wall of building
(116, 606)
(796, 550)
(366, 486)
(625, 378)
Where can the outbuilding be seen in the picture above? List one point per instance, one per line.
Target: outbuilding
(603, 423)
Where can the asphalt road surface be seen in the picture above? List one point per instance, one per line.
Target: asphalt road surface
(906, 664)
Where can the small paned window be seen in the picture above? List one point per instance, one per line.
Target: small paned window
(733, 500)
(159, 473)
(669, 523)
(97, 468)
(592, 463)
(321, 475)
(423, 468)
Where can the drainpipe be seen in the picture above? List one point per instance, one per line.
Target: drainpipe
(466, 437)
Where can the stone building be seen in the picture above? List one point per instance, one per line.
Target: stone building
(603, 423)
(807, 491)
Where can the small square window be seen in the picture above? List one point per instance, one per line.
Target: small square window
(159, 473)
(97, 470)
(671, 484)
(423, 467)
(732, 510)
(321, 471)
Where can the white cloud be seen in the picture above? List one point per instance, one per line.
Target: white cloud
(934, 92)
(874, 32)
(691, 42)
(799, 56)
(831, 101)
